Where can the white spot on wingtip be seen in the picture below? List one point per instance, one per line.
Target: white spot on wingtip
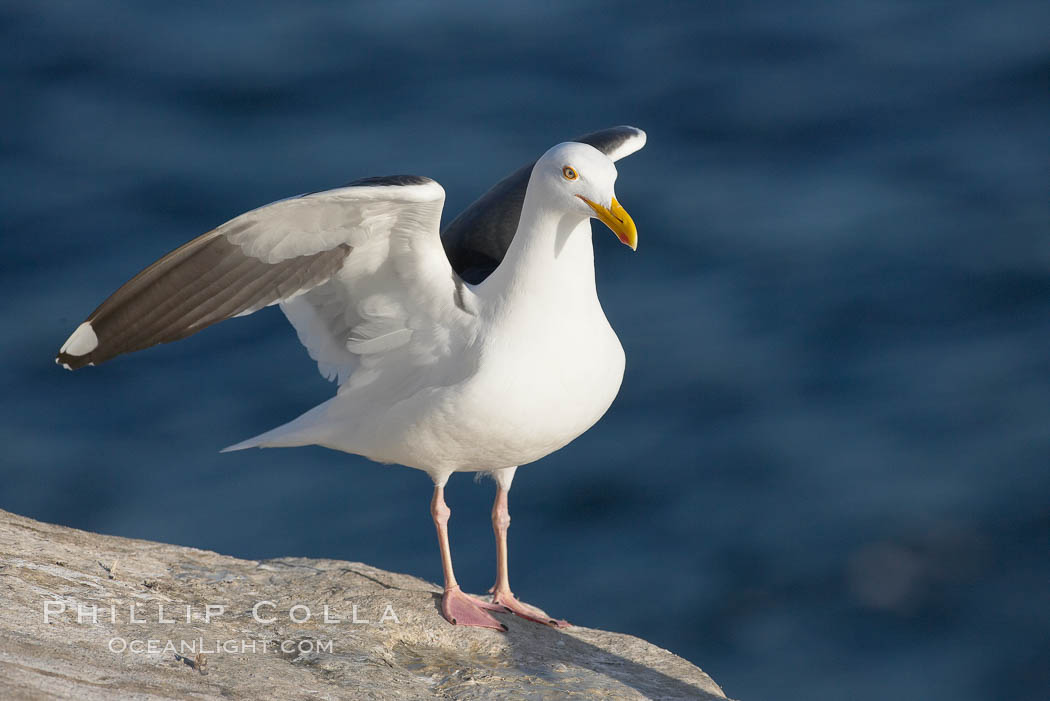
(82, 342)
(630, 145)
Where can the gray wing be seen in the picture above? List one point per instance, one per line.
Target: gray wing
(477, 239)
(269, 255)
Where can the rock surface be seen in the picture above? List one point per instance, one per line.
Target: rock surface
(51, 577)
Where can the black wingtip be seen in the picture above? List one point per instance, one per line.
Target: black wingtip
(72, 362)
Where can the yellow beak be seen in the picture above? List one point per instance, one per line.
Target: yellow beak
(617, 219)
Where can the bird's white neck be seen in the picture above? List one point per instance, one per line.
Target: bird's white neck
(550, 259)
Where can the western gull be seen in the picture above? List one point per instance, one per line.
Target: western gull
(478, 349)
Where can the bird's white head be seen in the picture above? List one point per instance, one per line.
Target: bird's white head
(579, 178)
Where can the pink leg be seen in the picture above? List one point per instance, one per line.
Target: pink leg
(501, 593)
(458, 608)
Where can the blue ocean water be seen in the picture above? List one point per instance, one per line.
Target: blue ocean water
(826, 473)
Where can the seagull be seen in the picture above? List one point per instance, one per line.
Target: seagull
(479, 349)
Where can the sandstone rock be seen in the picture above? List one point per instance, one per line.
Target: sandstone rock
(78, 612)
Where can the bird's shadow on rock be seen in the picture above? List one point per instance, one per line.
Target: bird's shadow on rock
(538, 650)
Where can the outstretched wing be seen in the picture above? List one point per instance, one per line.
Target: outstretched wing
(358, 271)
(383, 229)
(479, 237)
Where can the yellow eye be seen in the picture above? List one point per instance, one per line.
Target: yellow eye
(569, 173)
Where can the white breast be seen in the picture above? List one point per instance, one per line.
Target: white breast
(541, 387)
(535, 389)
(549, 364)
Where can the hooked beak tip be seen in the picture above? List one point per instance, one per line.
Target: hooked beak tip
(617, 219)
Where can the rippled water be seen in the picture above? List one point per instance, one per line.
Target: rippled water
(826, 474)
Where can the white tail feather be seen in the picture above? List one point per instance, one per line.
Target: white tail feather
(305, 430)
